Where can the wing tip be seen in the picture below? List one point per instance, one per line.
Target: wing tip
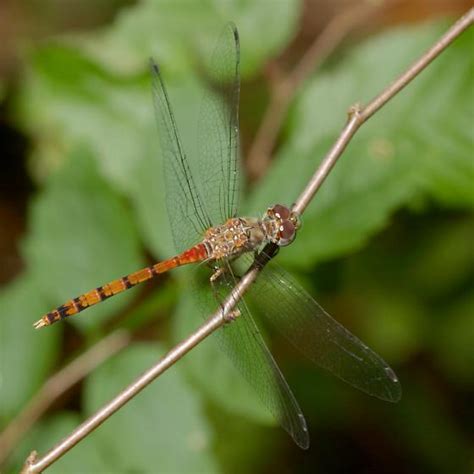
(395, 389)
(303, 441)
(154, 65)
(301, 435)
(235, 32)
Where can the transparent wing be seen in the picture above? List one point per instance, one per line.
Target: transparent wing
(242, 342)
(295, 314)
(218, 129)
(203, 191)
(185, 205)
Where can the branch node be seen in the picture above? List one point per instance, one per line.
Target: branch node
(231, 316)
(354, 111)
(29, 463)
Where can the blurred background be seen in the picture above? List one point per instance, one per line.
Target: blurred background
(386, 246)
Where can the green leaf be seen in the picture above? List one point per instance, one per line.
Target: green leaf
(170, 31)
(26, 355)
(67, 99)
(162, 429)
(439, 130)
(354, 202)
(211, 370)
(81, 236)
(76, 100)
(391, 159)
(115, 119)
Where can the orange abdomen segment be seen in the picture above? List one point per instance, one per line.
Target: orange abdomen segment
(197, 253)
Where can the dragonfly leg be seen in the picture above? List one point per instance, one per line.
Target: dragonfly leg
(233, 315)
(218, 272)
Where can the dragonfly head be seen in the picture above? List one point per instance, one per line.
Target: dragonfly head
(283, 224)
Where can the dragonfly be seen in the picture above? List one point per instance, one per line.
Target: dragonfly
(202, 197)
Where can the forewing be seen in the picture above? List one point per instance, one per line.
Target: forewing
(186, 211)
(218, 129)
(298, 317)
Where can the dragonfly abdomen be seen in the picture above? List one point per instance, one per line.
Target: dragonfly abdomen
(76, 305)
(198, 253)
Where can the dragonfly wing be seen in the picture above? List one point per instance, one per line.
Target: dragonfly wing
(218, 129)
(297, 316)
(187, 214)
(243, 343)
(203, 191)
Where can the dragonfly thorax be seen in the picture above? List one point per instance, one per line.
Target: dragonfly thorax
(246, 234)
(234, 237)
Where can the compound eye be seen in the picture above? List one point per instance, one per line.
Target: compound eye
(287, 233)
(282, 211)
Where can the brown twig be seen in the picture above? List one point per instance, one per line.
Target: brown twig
(357, 117)
(284, 88)
(33, 465)
(57, 385)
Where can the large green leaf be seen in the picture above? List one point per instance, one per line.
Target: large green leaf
(114, 118)
(26, 355)
(420, 144)
(171, 31)
(81, 236)
(163, 429)
(67, 99)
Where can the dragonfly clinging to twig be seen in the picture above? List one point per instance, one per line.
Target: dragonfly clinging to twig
(202, 197)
